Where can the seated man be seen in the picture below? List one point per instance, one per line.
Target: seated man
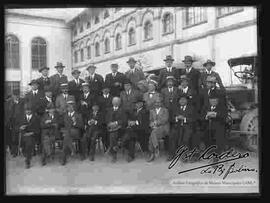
(214, 116)
(73, 126)
(116, 121)
(182, 120)
(29, 129)
(159, 122)
(94, 123)
(49, 130)
(137, 129)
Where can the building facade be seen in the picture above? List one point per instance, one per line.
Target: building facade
(32, 42)
(107, 35)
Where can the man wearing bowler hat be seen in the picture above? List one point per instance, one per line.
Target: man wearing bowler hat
(75, 85)
(169, 70)
(58, 78)
(115, 80)
(44, 80)
(209, 72)
(134, 74)
(192, 73)
(94, 80)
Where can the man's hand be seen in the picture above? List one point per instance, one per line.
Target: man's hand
(83, 103)
(48, 121)
(23, 127)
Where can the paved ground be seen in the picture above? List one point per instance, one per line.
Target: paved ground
(102, 177)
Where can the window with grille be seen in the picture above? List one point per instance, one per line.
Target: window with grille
(167, 23)
(107, 45)
(222, 11)
(96, 20)
(10, 86)
(106, 14)
(82, 54)
(76, 56)
(195, 15)
(131, 36)
(88, 51)
(118, 42)
(97, 49)
(39, 56)
(12, 52)
(148, 30)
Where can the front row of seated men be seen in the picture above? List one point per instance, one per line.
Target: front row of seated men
(142, 124)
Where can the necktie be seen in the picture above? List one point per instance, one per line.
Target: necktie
(212, 108)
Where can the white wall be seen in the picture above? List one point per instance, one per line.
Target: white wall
(57, 36)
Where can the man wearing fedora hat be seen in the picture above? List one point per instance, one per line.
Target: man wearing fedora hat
(115, 80)
(168, 71)
(75, 85)
(209, 72)
(192, 73)
(94, 80)
(134, 74)
(44, 80)
(58, 78)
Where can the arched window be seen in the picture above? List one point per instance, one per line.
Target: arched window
(82, 54)
(76, 56)
(167, 23)
(148, 30)
(12, 52)
(106, 14)
(107, 45)
(88, 51)
(118, 42)
(97, 49)
(81, 28)
(131, 36)
(88, 25)
(96, 20)
(39, 56)
(75, 32)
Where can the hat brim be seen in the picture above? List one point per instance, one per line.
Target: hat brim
(129, 61)
(168, 60)
(59, 66)
(73, 72)
(31, 83)
(188, 60)
(213, 63)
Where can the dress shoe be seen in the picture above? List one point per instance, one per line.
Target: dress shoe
(82, 157)
(27, 164)
(43, 161)
(151, 158)
(129, 159)
(64, 161)
(113, 159)
(92, 158)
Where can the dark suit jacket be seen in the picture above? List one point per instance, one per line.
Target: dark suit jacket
(188, 113)
(170, 98)
(135, 76)
(55, 82)
(104, 103)
(96, 84)
(50, 129)
(164, 73)
(110, 81)
(85, 109)
(43, 105)
(203, 76)
(220, 120)
(127, 101)
(99, 117)
(69, 123)
(75, 90)
(43, 82)
(35, 101)
(32, 126)
(13, 113)
(194, 76)
(142, 117)
(193, 97)
(119, 116)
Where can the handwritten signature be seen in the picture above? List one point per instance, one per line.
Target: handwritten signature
(215, 168)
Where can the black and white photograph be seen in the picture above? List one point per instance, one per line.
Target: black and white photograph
(132, 100)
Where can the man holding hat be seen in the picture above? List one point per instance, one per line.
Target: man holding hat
(128, 96)
(44, 80)
(29, 128)
(58, 78)
(151, 95)
(73, 126)
(61, 99)
(115, 80)
(209, 72)
(94, 80)
(34, 97)
(134, 74)
(167, 71)
(192, 73)
(137, 129)
(49, 131)
(75, 85)
(14, 109)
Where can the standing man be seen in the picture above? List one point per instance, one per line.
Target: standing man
(115, 80)
(191, 73)
(44, 80)
(29, 129)
(134, 74)
(94, 80)
(57, 79)
(168, 71)
(47, 100)
(116, 122)
(209, 72)
(151, 95)
(61, 99)
(75, 85)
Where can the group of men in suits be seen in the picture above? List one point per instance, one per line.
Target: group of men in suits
(175, 107)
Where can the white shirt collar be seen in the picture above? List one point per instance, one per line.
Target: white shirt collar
(115, 108)
(48, 98)
(60, 74)
(71, 113)
(106, 95)
(169, 68)
(93, 75)
(35, 91)
(208, 72)
(189, 69)
(86, 94)
(184, 107)
(29, 116)
(185, 89)
(158, 110)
